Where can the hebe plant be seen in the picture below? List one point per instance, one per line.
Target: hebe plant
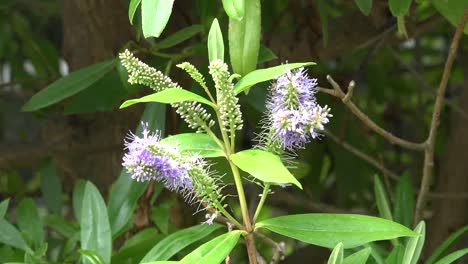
(292, 119)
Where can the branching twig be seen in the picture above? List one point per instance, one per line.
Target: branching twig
(280, 248)
(430, 142)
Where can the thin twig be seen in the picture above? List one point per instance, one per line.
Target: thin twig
(430, 142)
(362, 155)
(280, 248)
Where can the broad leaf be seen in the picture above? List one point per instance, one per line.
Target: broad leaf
(446, 244)
(213, 251)
(51, 187)
(29, 221)
(327, 230)
(177, 241)
(69, 85)
(336, 257)
(169, 96)
(155, 14)
(179, 36)
(399, 8)
(404, 201)
(9, 235)
(4, 207)
(365, 6)
(359, 257)
(132, 7)
(215, 42)
(264, 166)
(415, 244)
(452, 10)
(267, 74)
(95, 228)
(381, 199)
(453, 256)
(199, 143)
(234, 8)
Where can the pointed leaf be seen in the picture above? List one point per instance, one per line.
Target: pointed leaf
(199, 143)
(215, 42)
(51, 187)
(415, 244)
(253, 161)
(155, 15)
(453, 256)
(327, 230)
(267, 74)
(399, 8)
(132, 7)
(336, 257)
(29, 221)
(404, 201)
(179, 36)
(169, 96)
(177, 241)
(382, 199)
(446, 244)
(9, 235)
(396, 256)
(4, 207)
(452, 10)
(359, 257)
(234, 8)
(365, 6)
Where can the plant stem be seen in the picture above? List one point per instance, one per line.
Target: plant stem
(228, 215)
(266, 189)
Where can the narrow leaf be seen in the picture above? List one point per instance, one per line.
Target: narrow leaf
(446, 244)
(179, 36)
(213, 251)
(267, 74)
(396, 256)
(327, 230)
(177, 241)
(91, 256)
(404, 201)
(359, 257)
(60, 225)
(155, 15)
(95, 228)
(199, 143)
(215, 42)
(78, 192)
(365, 6)
(453, 256)
(51, 187)
(29, 221)
(68, 85)
(234, 8)
(415, 244)
(336, 257)
(4, 207)
(132, 9)
(265, 54)
(169, 96)
(9, 235)
(253, 161)
(382, 199)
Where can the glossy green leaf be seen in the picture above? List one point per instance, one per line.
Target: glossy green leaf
(382, 199)
(177, 241)
(169, 96)
(234, 8)
(336, 257)
(213, 251)
(180, 36)
(452, 10)
(155, 15)
(51, 187)
(399, 8)
(359, 257)
(69, 85)
(91, 256)
(265, 54)
(95, 228)
(77, 199)
(60, 225)
(215, 42)
(415, 244)
(132, 8)
(404, 201)
(199, 143)
(244, 38)
(396, 255)
(446, 245)
(9, 235)
(253, 161)
(267, 74)
(454, 256)
(327, 230)
(365, 6)
(125, 192)
(4, 207)
(29, 222)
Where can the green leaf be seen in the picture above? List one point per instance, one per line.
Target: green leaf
(155, 14)
(381, 199)
(267, 74)
(253, 161)
(365, 6)
(323, 9)
(91, 256)
(399, 8)
(177, 241)
(265, 54)
(179, 36)
(95, 228)
(326, 230)
(215, 42)
(452, 10)
(9, 235)
(29, 221)
(396, 256)
(69, 85)
(244, 38)
(132, 7)
(359, 257)
(336, 257)
(162, 262)
(60, 225)
(404, 201)
(169, 96)
(453, 256)
(137, 246)
(234, 8)
(213, 251)
(51, 187)
(4, 208)
(78, 192)
(377, 253)
(199, 143)
(125, 192)
(446, 244)
(415, 244)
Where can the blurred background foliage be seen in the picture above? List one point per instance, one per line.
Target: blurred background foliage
(45, 154)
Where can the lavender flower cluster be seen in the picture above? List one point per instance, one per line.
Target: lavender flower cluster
(293, 115)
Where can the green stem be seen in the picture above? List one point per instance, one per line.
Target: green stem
(228, 215)
(266, 189)
(240, 192)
